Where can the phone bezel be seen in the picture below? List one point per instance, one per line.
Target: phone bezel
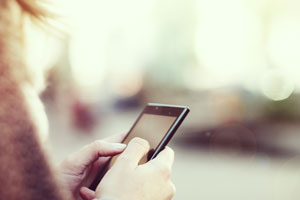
(179, 112)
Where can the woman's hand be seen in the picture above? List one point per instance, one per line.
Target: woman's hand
(80, 169)
(127, 180)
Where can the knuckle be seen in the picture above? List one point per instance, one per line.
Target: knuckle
(97, 144)
(165, 171)
(172, 191)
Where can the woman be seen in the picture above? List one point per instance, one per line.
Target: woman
(24, 170)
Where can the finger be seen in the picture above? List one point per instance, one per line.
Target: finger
(165, 157)
(93, 151)
(95, 170)
(134, 152)
(98, 149)
(86, 194)
(116, 138)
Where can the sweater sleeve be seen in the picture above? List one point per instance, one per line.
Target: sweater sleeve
(24, 169)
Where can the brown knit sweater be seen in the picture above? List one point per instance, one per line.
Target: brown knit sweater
(24, 171)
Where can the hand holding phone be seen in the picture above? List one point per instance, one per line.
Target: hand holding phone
(156, 124)
(127, 180)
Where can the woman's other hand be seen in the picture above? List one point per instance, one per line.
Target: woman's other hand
(80, 169)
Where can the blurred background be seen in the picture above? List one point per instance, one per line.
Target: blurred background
(235, 63)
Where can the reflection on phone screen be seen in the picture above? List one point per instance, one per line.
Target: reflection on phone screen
(151, 128)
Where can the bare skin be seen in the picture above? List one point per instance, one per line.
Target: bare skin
(80, 168)
(126, 180)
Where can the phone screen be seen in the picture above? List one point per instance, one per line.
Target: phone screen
(152, 128)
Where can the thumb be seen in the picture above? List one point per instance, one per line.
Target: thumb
(90, 153)
(136, 149)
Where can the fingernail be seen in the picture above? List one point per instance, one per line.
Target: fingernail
(119, 146)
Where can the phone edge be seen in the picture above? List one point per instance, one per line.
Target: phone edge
(171, 132)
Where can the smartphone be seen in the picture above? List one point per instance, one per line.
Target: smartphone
(157, 124)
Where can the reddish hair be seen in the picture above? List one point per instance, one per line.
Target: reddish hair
(33, 8)
(24, 170)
